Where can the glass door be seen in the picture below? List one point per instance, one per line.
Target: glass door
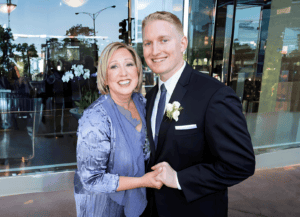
(245, 78)
(263, 69)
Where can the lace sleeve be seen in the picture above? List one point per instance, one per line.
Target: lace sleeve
(93, 150)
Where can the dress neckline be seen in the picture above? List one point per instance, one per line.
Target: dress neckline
(127, 114)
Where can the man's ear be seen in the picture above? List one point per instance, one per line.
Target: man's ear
(184, 43)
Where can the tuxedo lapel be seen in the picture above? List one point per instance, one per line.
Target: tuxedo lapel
(150, 104)
(177, 95)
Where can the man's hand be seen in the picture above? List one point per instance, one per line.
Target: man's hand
(149, 179)
(167, 175)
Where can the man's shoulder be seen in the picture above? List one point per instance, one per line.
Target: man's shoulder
(201, 81)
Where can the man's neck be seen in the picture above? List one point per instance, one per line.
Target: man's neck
(164, 77)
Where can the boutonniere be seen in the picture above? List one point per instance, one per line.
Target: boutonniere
(173, 110)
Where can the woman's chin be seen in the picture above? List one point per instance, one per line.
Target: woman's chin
(123, 91)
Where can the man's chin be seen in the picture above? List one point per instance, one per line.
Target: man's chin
(158, 71)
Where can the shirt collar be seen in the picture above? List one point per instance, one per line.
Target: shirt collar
(170, 84)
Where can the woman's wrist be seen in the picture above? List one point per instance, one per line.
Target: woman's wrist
(127, 183)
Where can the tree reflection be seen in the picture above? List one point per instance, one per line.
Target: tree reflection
(8, 56)
(27, 52)
(6, 50)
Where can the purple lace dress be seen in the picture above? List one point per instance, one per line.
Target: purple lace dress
(109, 146)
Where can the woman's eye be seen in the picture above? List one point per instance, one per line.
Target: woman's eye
(113, 66)
(130, 64)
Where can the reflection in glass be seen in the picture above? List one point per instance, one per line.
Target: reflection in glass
(224, 17)
(46, 40)
(200, 34)
(74, 3)
(8, 7)
(264, 68)
(245, 55)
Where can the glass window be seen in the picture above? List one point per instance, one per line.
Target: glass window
(265, 70)
(48, 65)
(200, 34)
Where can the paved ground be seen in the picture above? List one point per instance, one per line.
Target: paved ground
(273, 191)
(270, 192)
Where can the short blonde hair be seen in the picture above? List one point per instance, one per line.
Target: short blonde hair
(165, 16)
(103, 65)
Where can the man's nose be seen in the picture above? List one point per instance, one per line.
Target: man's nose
(155, 49)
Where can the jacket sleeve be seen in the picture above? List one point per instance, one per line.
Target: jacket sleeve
(93, 151)
(230, 144)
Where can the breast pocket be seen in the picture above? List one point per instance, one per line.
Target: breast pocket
(189, 140)
(186, 129)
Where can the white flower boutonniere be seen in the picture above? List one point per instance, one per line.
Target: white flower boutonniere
(173, 110)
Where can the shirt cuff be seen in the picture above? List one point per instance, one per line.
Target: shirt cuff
(178, 186)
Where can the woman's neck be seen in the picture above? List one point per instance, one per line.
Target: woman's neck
(121, 100)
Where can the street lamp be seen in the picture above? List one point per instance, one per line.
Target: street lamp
(7, 8)
(94, 16)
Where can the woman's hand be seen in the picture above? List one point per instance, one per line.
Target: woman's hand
(149, 179)
(146, 181)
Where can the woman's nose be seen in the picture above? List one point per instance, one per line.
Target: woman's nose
(124, 71)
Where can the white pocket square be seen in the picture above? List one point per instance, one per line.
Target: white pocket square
(186, 127)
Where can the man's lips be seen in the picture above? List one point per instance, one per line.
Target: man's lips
(158, 60)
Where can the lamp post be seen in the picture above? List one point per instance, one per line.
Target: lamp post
(94, 16)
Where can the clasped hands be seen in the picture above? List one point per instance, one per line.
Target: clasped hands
(163, 174)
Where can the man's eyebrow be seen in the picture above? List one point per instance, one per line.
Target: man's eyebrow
(159, 37)
(164, 36)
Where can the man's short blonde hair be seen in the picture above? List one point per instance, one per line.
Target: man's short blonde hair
(103, 65)
(165, 16)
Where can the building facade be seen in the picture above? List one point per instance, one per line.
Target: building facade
(249, 45)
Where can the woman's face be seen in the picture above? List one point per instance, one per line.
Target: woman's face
(122, 73)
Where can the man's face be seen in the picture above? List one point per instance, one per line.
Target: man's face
(163, 48)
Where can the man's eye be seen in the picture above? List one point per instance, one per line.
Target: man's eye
(147, 44)
(165, 40)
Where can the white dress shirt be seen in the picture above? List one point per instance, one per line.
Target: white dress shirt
(170, 85)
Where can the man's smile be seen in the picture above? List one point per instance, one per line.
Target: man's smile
(158, 60)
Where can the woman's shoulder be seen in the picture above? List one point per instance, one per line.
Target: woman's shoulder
(140, 98)
(96, 112)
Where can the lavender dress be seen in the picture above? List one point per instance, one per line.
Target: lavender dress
(109, 146)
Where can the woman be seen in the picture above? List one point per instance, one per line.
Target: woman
(111, 147)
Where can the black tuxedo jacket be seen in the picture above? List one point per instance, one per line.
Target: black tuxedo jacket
(208, 159)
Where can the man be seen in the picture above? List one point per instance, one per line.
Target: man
(204, 151)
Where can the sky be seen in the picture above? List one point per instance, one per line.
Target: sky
(54, 17)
